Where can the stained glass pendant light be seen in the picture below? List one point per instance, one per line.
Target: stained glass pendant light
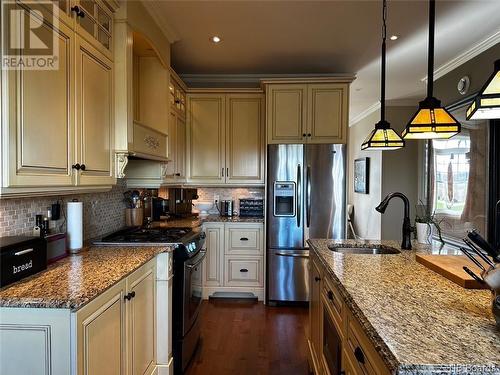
(383, 137)
(431, 120)
(486, 104)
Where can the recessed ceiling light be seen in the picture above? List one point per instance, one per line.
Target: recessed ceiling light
(216, 39)
(394, 37)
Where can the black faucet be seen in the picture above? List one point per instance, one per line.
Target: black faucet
(406, 244)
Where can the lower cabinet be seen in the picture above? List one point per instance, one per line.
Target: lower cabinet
(337, 342)
(114, 334)
(103, 347)
(235, 260)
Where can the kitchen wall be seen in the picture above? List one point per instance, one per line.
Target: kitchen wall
(209, 193)
(366, 221)
(389, 171)
(103, 212)
(399, 173)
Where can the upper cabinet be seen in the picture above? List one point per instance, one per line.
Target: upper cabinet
(307, 112)
(58, 124)
(225, 138)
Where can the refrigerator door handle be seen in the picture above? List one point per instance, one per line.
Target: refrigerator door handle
(292, 255)
(298, 199)
(308, 196)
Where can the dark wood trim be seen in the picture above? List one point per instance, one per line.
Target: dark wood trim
(494, 185)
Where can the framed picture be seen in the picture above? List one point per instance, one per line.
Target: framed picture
(362, 175)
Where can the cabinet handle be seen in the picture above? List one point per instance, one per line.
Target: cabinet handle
(227, 172)
(308, 134)
(76, 166)
(303, 134)
(222, 172)
(360, 356)
(243, 270)
(330, 295)
(82, 167)
(177, 174)
(317, 278)
(243, 239)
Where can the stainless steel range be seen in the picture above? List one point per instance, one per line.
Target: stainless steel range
(187, 293)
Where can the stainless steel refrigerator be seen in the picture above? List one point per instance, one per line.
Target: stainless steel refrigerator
(306, 198)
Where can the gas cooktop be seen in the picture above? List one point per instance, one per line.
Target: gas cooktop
(148, 236)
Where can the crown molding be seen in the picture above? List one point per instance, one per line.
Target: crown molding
(154, 11)
(257, 79)
(465, 56)
(368, 111)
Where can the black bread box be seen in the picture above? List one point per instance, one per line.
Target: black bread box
(21, 257)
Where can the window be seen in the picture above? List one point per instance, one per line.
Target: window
(457, 173)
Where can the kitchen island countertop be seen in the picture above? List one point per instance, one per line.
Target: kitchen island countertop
(72, 282)
(418, 321)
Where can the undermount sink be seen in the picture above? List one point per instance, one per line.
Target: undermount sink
(373, 250)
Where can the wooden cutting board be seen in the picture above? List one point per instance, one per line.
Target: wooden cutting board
(451, 267)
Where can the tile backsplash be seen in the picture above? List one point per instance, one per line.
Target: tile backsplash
(209, 194)
(102, 212)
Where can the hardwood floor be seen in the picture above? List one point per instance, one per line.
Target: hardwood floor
(248, 338)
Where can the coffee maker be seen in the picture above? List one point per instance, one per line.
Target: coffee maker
(180, 201)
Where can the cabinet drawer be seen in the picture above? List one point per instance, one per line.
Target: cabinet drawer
(246, 240)
(243, 271)
(334, 303)
(149, 142)
(363, 355)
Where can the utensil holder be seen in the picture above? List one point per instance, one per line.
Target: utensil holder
(134, 217)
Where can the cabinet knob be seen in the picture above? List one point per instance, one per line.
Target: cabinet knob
(317, 278)
(360, 356)
(330, 295)
(76, 166)
(177, 174)
(309, 134)
(82, 167)
(129, 296)
(303, 134)
(79, 13)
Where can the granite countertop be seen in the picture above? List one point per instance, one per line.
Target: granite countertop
(72, 282)
(195, 221)
(418, 321)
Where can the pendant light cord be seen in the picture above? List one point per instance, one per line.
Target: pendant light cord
(382, 83)
(430, 58)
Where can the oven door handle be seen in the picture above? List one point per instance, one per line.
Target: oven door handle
(197, 263)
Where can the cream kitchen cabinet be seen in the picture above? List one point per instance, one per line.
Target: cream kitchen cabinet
(206, 138)
(307, 112)
(58, 139)
(94, 113)
(115, 333)
(315, 317)
(225, 138)
(234, 262)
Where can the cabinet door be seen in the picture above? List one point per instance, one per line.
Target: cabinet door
(154, 111)
(214, 261)
(180, 144)
(327, 112)
(286, 113)
(39, 121)
(245, 139)
(94, 113)
(101, 334)
(142, 320)
(206, 132)
(175, 168)
(315, 315)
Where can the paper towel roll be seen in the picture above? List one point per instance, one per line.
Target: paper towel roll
(75, 225)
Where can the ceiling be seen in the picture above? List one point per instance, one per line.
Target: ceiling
(320, 37)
